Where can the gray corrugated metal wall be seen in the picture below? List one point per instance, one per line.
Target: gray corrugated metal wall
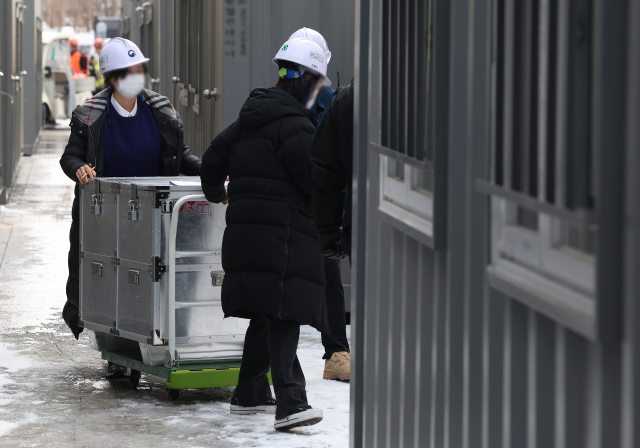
(440, 358)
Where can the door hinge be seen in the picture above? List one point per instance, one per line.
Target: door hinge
(160, 198)
(156, 268)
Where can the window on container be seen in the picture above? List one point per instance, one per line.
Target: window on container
(407, 110)
(542, 143)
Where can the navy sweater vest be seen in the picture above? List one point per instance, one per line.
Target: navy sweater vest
(131, 144)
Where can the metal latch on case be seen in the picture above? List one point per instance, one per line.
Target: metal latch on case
(133, 276)
(217, 277)
(96, 201)
(96, 269)
(133, 204)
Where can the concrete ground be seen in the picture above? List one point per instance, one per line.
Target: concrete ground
(52, 387)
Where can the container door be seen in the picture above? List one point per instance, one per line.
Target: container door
(163, 46)
(98, 269)
(19, 74)
(190, 45)
(138, 244)
(98, 231)
(147, 35)
(136, 301)
(38, 74)
(211, 99)
(9, 11)
(142, 36)
(137, 215)
(98, 291)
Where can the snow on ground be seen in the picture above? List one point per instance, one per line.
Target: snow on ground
(40, 392)
(12, 362)
(257, 430)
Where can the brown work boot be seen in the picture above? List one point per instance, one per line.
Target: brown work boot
(337, 367)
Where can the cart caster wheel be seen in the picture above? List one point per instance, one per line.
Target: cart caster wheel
(173, 394)
(134, 378)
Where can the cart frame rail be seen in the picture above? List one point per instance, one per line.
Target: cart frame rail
(172, 358)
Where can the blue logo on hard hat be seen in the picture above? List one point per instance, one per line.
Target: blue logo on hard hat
(132, 53)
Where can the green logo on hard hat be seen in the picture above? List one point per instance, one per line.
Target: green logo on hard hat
(316, 56)
(285, 48)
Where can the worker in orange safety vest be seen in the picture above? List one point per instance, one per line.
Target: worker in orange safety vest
(79, 61)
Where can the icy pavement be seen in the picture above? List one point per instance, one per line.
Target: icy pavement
(52, 387)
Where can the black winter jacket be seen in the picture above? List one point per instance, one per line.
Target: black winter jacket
(332, 155)
(270, 249)
(86, 146)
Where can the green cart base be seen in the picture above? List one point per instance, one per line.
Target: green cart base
(190, 376)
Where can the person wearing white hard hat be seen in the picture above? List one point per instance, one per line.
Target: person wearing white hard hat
(316, 37)
(326, 93)
(273, 266)
(337, 353)
(123, 131)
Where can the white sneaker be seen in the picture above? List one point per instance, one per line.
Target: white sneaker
(268, 407)
(303, 416)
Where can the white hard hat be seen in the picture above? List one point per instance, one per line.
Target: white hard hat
(305, 53)
(120, 53)
(308, 33)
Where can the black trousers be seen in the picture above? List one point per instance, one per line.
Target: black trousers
(272, 343)
(336, 341)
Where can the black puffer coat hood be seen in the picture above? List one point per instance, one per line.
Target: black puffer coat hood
(267, 105)
(270, 249)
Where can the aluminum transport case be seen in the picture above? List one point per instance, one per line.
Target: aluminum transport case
(151, 273)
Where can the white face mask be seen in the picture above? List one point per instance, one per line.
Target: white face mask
(131, 85)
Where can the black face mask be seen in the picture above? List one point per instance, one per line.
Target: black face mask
(312, 90)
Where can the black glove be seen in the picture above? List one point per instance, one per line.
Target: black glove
(330, 245)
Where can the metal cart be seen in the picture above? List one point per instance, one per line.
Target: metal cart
(151, 272)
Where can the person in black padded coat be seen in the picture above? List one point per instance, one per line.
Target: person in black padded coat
(332, 156)
(273, 266)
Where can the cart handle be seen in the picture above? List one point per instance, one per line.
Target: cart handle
(170, 358)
